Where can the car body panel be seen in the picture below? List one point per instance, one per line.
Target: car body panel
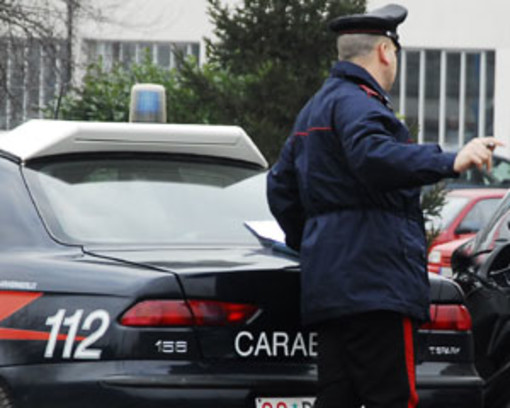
(200, 386)
(239, 361)
(43, 138)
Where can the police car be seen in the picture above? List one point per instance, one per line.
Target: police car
(129, 278)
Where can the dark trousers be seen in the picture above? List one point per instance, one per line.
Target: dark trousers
(367, 359)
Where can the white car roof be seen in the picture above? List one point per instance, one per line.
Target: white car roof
(42, 138)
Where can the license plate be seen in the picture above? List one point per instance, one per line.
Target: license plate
(297, 402)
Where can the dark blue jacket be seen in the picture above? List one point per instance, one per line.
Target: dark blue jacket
(346, 192)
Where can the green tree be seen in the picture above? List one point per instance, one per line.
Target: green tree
(287, 46)
(268, 58)
(433, 199)
(104, 95)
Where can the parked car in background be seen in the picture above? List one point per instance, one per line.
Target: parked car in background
(482, 267)
(464, 213)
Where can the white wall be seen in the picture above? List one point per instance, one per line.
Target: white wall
(153, 20)
(150, 20)
(430, 23)
(454, 23)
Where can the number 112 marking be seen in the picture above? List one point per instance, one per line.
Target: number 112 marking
(83, 350)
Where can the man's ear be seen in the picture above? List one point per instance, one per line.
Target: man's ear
(383, 52)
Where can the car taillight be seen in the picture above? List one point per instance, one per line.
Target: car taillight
(448, 317)
(210, 313)
(187, 313)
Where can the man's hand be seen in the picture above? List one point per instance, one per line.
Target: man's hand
(477, 152)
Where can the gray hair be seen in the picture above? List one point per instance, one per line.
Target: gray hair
(351, 46)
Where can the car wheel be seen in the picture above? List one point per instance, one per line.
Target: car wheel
(5, 400)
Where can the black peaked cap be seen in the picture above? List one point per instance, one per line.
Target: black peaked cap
(381, 21)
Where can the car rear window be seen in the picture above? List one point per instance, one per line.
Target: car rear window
(148, 200)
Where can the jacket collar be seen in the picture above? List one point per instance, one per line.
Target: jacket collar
(360, 76)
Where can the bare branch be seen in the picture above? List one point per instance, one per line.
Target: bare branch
(46, 29)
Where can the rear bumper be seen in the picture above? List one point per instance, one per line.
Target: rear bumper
(443, 385)
(188, 385)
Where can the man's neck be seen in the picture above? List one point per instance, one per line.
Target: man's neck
(374, 70)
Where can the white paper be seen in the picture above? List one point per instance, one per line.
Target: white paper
(267, 231)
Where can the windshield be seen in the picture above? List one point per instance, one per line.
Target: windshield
(147, 200)
(452, 207)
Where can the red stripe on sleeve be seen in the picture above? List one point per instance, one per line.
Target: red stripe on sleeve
(319, 128)
(312, 129)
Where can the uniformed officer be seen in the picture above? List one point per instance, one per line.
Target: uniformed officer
(346, 192)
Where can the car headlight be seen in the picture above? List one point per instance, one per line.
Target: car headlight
(434, 257)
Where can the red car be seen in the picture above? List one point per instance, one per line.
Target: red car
(465, 212)
(440, 257)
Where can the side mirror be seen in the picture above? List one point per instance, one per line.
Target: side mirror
(462, 259)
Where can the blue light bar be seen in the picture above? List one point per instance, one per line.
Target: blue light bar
(148, 104)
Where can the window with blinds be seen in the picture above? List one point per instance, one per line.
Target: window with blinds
(447, 95)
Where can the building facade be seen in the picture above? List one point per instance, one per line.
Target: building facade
(452, 85)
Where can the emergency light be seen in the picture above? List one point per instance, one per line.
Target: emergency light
(148, 103)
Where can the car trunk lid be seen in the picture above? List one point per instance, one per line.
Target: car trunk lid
(213, 278)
